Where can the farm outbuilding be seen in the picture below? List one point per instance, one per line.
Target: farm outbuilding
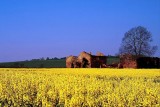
(86, 60)
(131, 61)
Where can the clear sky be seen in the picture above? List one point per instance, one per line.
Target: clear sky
(58, 28)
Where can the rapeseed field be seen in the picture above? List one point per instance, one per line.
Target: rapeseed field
(79, 87)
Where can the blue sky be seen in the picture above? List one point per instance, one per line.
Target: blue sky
(57, 28)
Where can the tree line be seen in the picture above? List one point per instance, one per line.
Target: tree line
(43, 59)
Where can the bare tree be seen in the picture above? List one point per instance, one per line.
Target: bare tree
(137, 42)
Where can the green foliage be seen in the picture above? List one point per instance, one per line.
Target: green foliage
(48, 63)
(60, 63)
(112, 59)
